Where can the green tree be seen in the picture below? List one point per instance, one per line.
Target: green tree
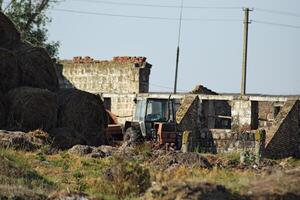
(30, 18)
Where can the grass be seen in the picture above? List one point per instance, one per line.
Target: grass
(17, 178)
(121, 177)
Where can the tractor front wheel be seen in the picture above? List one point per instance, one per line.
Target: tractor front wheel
(132, 137)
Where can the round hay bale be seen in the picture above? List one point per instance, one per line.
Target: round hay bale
(84, 112)
(65, 138)
(9, 35)
(31, 109)
(3, 112)
(9, 71)
(37, 68)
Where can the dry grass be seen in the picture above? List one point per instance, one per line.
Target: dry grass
(127, 178)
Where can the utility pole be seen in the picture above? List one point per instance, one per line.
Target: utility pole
(178, 50)
(245, 51)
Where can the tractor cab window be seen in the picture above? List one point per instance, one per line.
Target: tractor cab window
(140, 110)
(157, 110)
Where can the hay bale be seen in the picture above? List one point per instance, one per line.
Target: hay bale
(37, 68)
(65, 138)
(3, 112)
(31, 109)
(9, 35)
(9, 71)
(84, 112)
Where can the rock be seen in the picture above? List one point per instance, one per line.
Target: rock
(108, 150)
(81, 150)
(97, 153)
(89, 151)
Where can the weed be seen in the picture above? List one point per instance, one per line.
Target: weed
(41, 157)
(124, 179)
(81, 186)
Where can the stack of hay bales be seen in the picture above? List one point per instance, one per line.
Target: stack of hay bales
(30, 97)
(9, 35)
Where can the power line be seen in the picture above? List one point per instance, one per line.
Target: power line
(277, 12)
(276, 24)
(144, 17)
(158, 5)
(165, 87)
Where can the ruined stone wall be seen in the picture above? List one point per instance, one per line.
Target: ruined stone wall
(267, 111)
(187, 118)
(283, 136)
(117, 76)
(226, 141)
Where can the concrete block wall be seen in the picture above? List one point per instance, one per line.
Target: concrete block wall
(241, 113)
(121, 75)
(123, 107)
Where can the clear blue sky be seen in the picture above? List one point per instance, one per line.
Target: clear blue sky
(211, 51)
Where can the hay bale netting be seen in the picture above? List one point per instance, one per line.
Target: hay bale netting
(84, 112)
(9, 71)
(9, 35)
(31, 108)
(37, 68)
(3, 112)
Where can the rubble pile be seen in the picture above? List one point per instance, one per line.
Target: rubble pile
(30, 97)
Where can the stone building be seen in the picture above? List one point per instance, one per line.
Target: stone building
(121, 78)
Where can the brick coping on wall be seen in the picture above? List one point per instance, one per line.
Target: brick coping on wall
(118, 59)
